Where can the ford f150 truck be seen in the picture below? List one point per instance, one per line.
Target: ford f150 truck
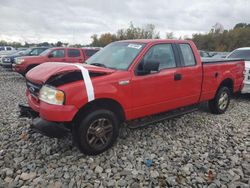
(125, 81)
(60, 54)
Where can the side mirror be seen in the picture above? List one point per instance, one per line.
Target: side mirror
(151, 66)
(50, 55)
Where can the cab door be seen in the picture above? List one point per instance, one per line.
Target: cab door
(57, 55)
(190, 71)
(75, 56)
(155, 92)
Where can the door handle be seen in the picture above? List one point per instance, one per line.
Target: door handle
(177, 76)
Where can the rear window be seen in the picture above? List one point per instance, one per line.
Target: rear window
(90, 52)
(74, 53)
(188, 56)
(242, 54)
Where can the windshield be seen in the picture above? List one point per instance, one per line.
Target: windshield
(117, 55)
(45, 53)
(242, 54)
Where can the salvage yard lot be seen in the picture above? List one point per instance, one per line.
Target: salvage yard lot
(198, 149)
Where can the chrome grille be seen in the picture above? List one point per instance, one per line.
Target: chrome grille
(33, 88)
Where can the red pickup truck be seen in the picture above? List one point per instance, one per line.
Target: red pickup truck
(125, 81)
(60, 54)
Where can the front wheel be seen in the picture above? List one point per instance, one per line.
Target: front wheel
(96, 132)
(220, 103)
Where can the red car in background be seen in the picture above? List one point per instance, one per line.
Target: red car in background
(58, 54)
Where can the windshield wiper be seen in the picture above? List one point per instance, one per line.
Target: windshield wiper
(99, 65)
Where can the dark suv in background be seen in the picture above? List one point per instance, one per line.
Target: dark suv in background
(89, 51)
(7, 61)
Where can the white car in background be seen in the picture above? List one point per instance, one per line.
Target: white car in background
(243, 53)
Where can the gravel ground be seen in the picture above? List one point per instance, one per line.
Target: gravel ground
(195, 150)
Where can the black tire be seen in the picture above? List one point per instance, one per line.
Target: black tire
(98, 126)
(220, 103)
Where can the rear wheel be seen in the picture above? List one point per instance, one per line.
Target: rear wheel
(220, 103)
(96, 132)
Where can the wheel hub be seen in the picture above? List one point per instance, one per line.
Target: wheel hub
(223, 100)
(100, 133)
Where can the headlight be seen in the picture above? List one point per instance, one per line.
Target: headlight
(19, 60)
(51, 95)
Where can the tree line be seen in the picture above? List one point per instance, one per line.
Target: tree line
(20, 45)
(214, 40)
(228, 40)
(132, 32)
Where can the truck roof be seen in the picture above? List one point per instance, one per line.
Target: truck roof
(64, 48)
(155, 41)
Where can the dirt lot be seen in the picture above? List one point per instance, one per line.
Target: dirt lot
(196, 150)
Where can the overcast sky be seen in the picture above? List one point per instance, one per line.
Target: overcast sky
(74, 21)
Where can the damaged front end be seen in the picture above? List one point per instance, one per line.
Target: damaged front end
(47, 128)
(36, 80)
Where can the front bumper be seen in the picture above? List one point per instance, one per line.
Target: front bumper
(49, 112)
(50, 129)
(26, 111)
(47, 128)
(18, 68)
(6, 65)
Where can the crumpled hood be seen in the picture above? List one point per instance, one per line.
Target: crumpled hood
(41, 73)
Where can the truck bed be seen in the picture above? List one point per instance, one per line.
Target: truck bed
(217, 70)
(221, 60)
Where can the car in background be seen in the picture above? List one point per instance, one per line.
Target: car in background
(59, 54)
(22, 49)
(243, 53)
(8, 60)
(6, 48)
(220, 55)
(204, 54)
(6, 53)
(89, 51)
(5, 59)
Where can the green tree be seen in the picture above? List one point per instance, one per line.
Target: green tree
(229, 40)
(170, 35)
(132, 32)
(59, 44)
